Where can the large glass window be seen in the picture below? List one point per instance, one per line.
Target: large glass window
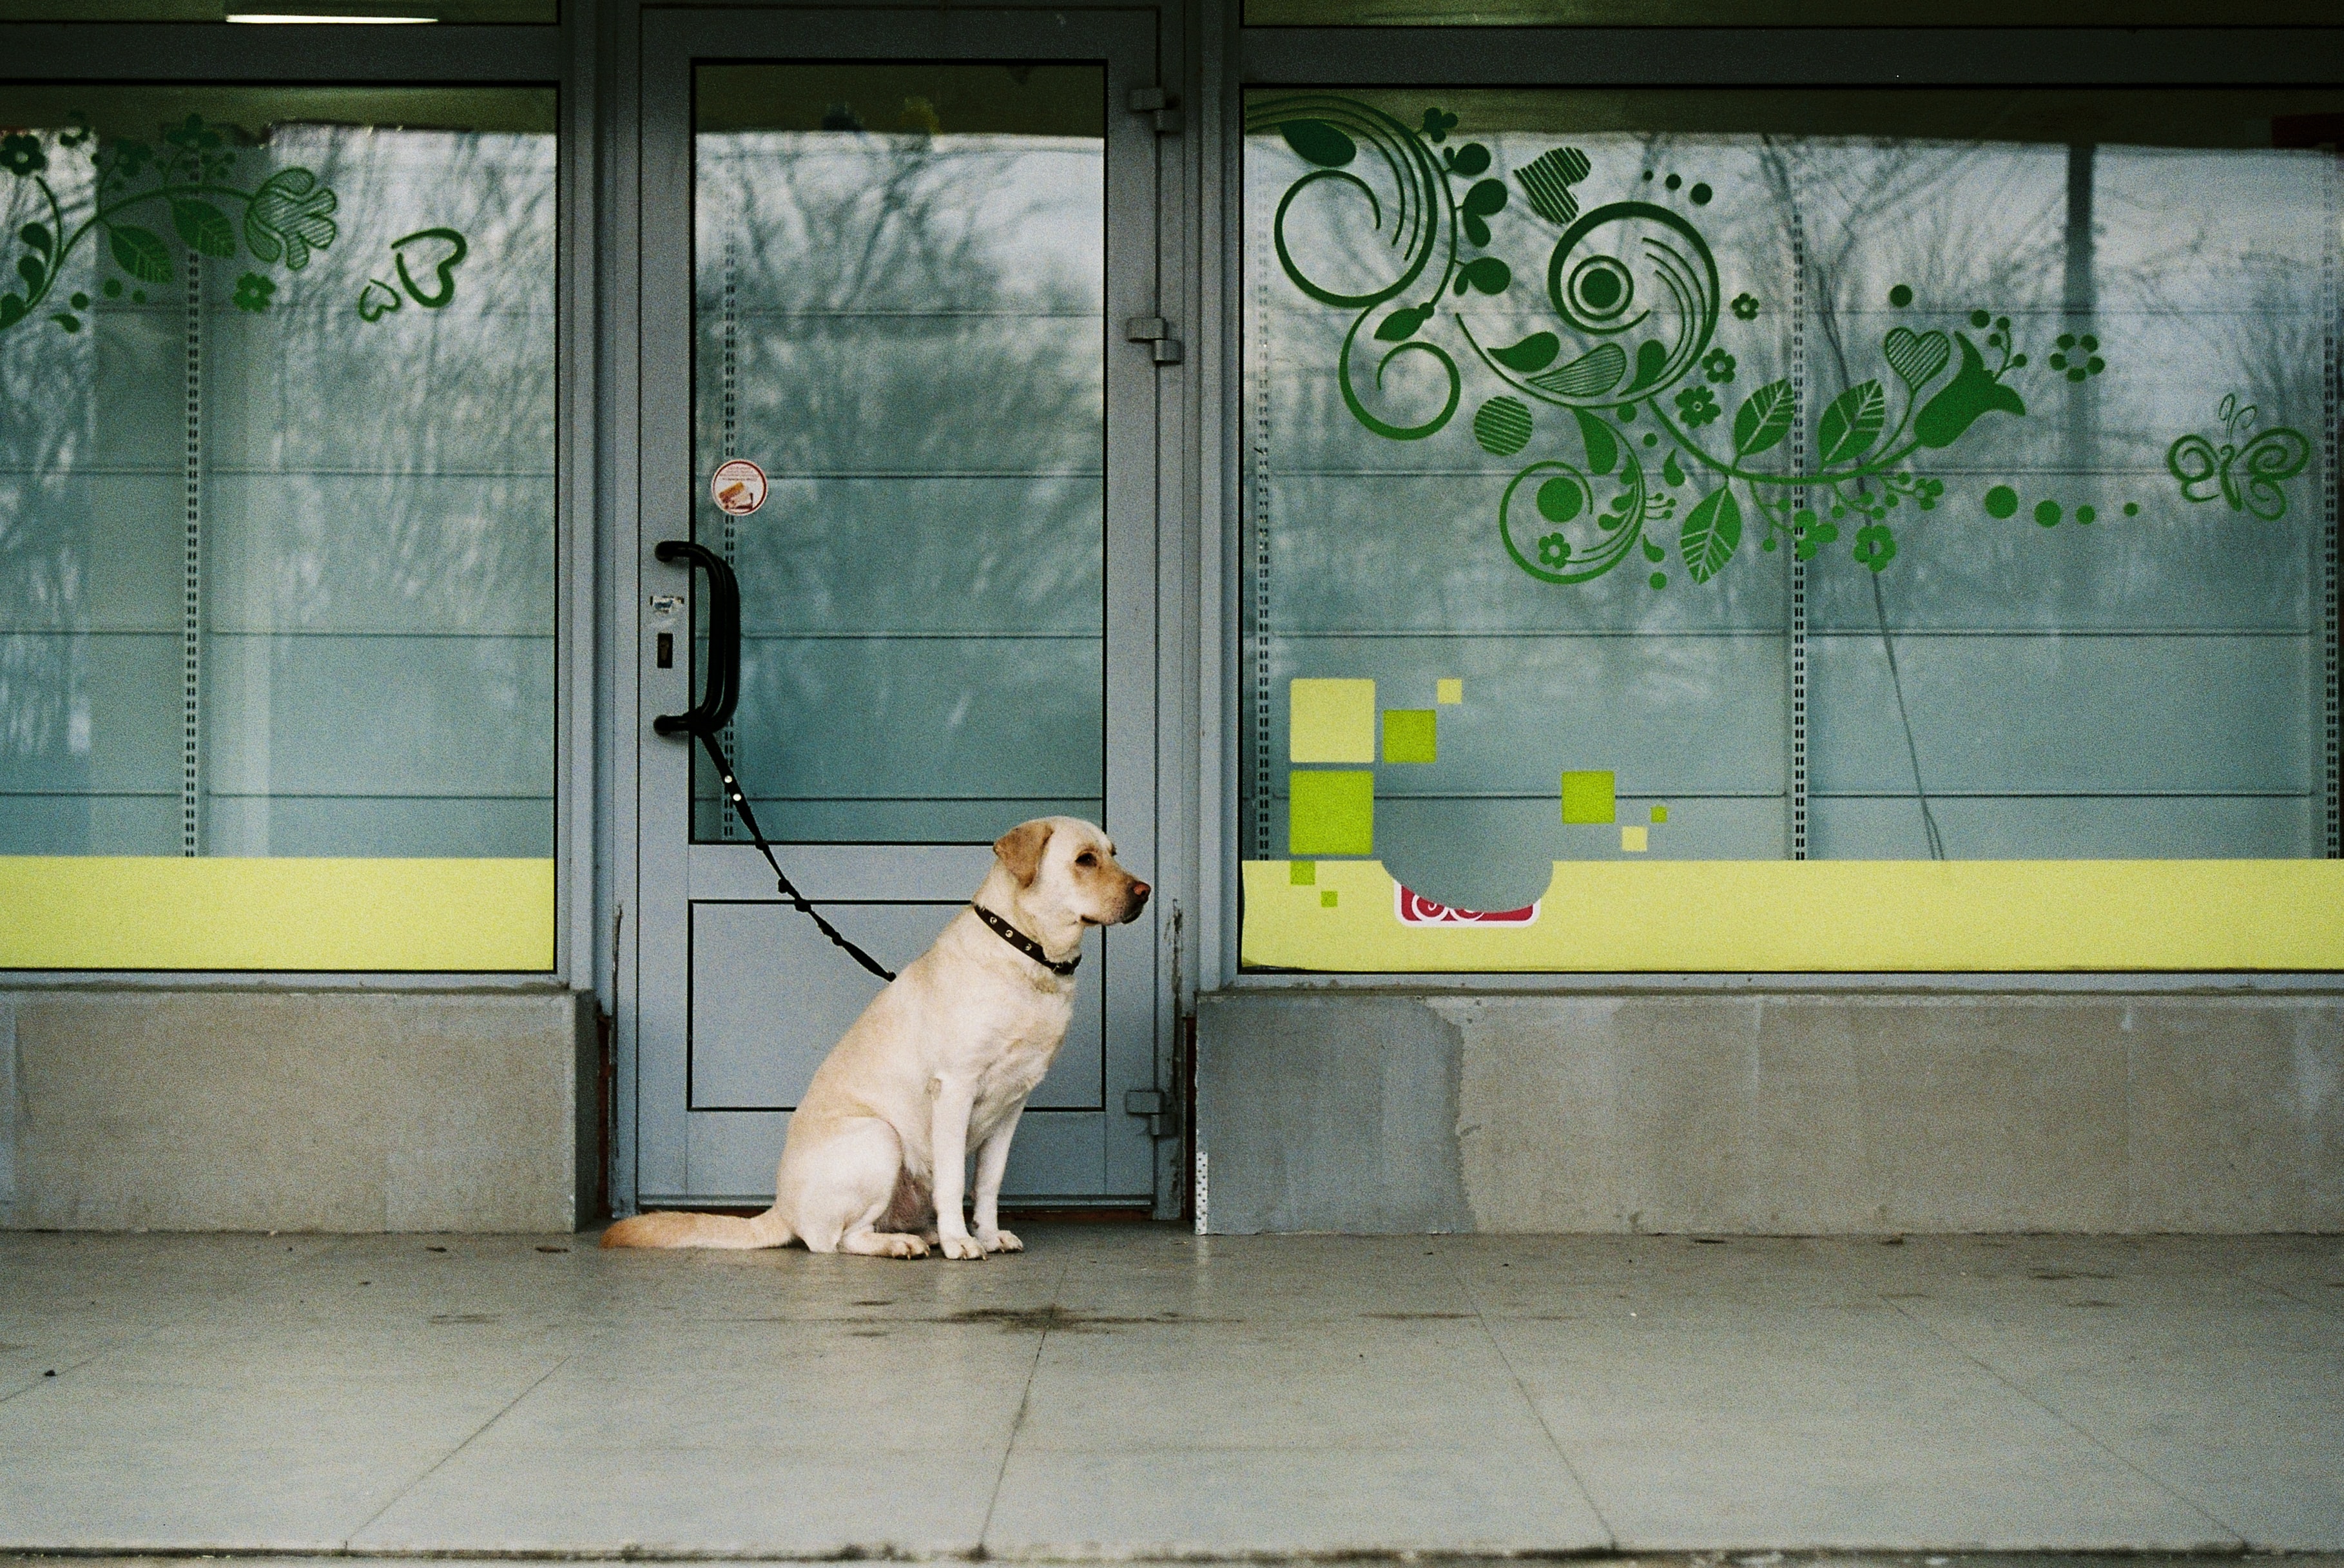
(1755, 531)
(276, 528)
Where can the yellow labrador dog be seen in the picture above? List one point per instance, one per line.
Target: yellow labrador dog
(940, 1062)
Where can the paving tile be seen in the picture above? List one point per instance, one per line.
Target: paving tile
(198, 1438)
(819, 1387)
(505, 1495)
(1231, 1279)
(1187, 1502)
(1704, 1427)
(2237, 1408)
(1437, 1384)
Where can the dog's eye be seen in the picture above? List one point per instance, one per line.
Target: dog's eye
(1086, 858)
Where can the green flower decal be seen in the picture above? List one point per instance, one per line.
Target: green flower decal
(188, 189)
(1697, 406)
(2078, 357)
(288, 216)
(1745, 307)
(22, 156)
(1876, 546)
(1717, 364)
(1554, 550)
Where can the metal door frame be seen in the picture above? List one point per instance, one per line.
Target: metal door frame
(670, 872)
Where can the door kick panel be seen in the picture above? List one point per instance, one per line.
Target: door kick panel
(769, 996)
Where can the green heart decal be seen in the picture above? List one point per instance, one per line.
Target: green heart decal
(1916, 356)
(377, 300)
(445, 268)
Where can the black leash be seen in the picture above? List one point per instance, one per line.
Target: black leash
(739, 800)
(715, 710)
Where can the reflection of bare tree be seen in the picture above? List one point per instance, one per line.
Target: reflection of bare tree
(920, 331)
(377, 504)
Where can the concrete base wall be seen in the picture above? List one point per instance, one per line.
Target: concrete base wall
(1786, 1114)
(234, 1110)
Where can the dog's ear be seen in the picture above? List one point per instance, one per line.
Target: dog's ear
(1020, 849)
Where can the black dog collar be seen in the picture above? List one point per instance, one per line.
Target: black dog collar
(1024, 943)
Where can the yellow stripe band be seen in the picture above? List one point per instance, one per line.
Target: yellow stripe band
(1760, 915)
(169, 912)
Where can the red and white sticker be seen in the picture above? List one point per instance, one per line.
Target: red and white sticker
(1416, 909)
(738, 486)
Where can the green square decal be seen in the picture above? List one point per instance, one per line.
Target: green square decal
(1327, 899)
(1588, 798)
(1331, 813)
(1409, 735)
(1301, 873)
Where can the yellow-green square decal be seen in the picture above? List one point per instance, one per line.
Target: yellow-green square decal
(1409, 735)
(1588, 798)
(1331, 721)
(1331, 813)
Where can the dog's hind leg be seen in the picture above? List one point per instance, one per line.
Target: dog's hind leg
(842, 1188)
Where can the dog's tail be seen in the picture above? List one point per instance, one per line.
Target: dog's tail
(725, 1230)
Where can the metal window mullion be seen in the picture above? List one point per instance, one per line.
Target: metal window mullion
(1256, 336)
(2331, 368)
(729, 820)
(1800, 499)
(191, 625)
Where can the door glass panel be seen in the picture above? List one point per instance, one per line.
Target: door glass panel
(900, 275)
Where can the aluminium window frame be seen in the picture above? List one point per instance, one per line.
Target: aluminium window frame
(533, 56)
(1242, 59)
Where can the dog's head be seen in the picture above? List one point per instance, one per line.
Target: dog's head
(1065, 865)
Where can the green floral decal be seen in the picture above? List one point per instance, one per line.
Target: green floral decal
(1637, 286)
(183, 181)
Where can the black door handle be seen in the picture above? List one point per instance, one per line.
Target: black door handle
(715, 710)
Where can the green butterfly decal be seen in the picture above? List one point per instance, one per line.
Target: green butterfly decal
(2263, 464)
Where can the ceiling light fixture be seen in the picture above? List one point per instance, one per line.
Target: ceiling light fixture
(288, 18)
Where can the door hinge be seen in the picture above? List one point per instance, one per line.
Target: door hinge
(1162, 1111)
(1161, 105)
(1157, 330)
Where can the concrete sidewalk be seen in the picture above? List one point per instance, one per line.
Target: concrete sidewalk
(1134, 1391)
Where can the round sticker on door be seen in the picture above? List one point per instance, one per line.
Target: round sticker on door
(738, 487)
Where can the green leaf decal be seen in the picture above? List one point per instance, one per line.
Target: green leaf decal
(1472, 159)
(204, 227)
(1592, 374)
(1603, 446)
(1711, 531)
(12, 309)
(141, 253)
(1319, 142)
(1652, 361)
(1486, 273)
(1763, 418)
(1486, 197)
(38, 237)
(1535, 352)
(1671, 469)
(1402, 323)
(30, 270)
(1852, 424)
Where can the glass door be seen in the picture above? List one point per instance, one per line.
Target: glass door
(881, 259)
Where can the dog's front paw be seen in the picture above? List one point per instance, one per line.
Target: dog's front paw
(905, 1245)
(963, 1246)
(999, 1241)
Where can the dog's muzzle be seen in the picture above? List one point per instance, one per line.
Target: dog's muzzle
(1135, 901)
